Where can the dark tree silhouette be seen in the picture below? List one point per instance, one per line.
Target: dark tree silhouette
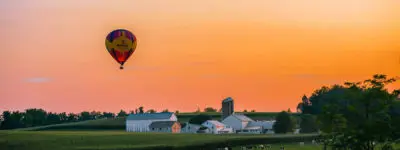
(63, 117)
(365, 110)
(53, 118)
(141, 111)
(284, 123)
(308, 124)
(151, 111)
(85, 116)
(210, 109)
(11, 120)
(108, 115)
(199, 119)
(72, 117)
(35, 117)
(122, 113)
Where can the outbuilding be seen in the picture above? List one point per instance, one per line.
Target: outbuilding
(165, 126)
(141, 122)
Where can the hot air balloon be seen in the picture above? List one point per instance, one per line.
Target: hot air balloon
(121, 44)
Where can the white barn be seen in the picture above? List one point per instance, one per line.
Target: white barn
(242, 124)
(141, 122)
(217, 127)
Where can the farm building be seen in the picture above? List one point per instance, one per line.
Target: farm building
(227, 107)
(141, 122)
(165, 126)
(190, 128)
(265, 125)
(217, 127)
(242, 124)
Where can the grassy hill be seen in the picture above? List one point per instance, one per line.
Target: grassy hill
(119, 123)
(112, 140)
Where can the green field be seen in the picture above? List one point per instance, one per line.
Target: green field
(108, 134)
(112, 140)
(120, 140)
(119, 123)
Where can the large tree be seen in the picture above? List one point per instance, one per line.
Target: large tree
(12, 120)
(283, 123)
(199, 119)
(210, 109)
(151, 111)
(108, 115)
(35, 117)
(308, 124)
(72, 117)
(304, 105)
(141, 110)
(53, 118)
(85, 115)
(63, 117)
(95, 114)
(122, 113)
(357, 114)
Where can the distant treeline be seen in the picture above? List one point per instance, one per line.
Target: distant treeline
(38, 117)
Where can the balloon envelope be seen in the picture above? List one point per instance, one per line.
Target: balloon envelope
(121, 44)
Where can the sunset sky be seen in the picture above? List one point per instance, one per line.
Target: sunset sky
(265, 54)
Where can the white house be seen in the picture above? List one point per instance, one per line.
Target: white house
(217, 127)
(242, 124)
(141, 122)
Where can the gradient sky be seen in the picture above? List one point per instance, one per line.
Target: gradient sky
(264, 53)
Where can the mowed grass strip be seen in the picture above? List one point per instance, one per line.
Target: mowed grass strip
(112, 140)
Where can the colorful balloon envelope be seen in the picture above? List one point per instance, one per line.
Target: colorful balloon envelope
(121, 44)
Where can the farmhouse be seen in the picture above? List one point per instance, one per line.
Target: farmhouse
(141, 122)
(165, 126)
(217, 127)
(242, 124)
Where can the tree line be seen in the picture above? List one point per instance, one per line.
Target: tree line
(356, 115)
(39, 117)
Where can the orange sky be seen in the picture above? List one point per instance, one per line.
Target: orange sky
(265, 53)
